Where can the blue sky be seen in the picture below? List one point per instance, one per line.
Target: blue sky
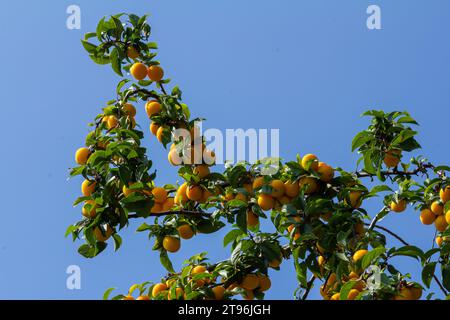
(309, 68)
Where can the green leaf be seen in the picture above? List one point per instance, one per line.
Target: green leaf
(89, 35)
(428, 273)
(208, 226)
(69, 230)
(117, 241)
(235, 203)
(445, 269)
(143, 227)
(360, 139)
(116, 64)
(107, 293)
(165, 261)
(410, 251)
(100, 59)
(89, 47)
(407, 119)
(231, 236)
(345, 290)
(87, 251)
(241, 220)
(372, 256)
(380, 188)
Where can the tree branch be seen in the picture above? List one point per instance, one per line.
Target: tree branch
(309, 287)
(396, 236)
(166, 213)
(422, 168)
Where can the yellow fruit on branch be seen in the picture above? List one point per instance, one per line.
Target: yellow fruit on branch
(258, 183)
(154, 128)
(266, 202)
(132, 52)
(440, 223)
(156, 208)
(404, 294)
(158, 288)
(352, 294)
(321, 261)
(202, 171)
(139, 71)
(241, 197)
(444, 194)
(355, 198)
(336, 296)
(88, 188)
(264, 282)
(250, 282)
(168, 204)
(160, 133)
(218, 292)
(185, 231)
(296, 234)
(155, 73)
(392, 158)
(277, 188)
(308, 184)
(291, 189)
(399, 206)
(437, 208)
(143, 298)
(179, 293)
(447, 217)
(205, 196)
(82, 155)
(103, 234)
(92, 212)
(252, 219)
(159, 194)
(181, 197)
(152, 107)
(128, 191)
(325, 172)
(194, 193)
(359, 254)
(171, 244)
(112, 122)
(198, 270)
(129, 109)
(427, 217)
(310, 162)
(174, 158)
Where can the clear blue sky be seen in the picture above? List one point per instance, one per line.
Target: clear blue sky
(309, 68)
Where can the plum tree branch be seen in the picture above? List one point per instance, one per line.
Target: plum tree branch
(309, 287)
(421, 168)
(176, 212)
(396, 236)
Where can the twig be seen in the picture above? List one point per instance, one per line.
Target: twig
(166, 213)
(422, 168)
(407, 244)
(309, 287)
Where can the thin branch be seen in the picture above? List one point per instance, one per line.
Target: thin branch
(407, 244)
(422, 168)
(166, 213)
(309, 287)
